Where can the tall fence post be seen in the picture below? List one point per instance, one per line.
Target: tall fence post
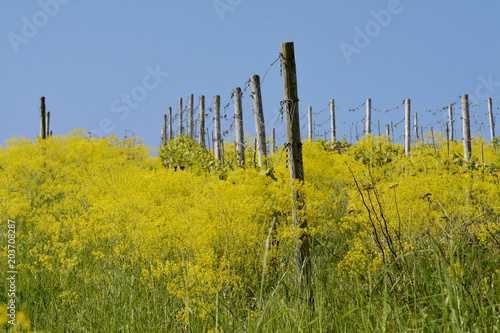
(368, 116)
(450, 120)
(260, 129)
(43, 126)
(294, 147)
(190, 117)
(466, 127)
(238, 119)
(202, 121)
(407, 126)
(273, 141)
(164, 131)
(47, 124)
(180, 116)
(387, 131)
(332, 120)
(415, 120)
(492, 122)
(170, 132)
(309, 123)
(217, 143)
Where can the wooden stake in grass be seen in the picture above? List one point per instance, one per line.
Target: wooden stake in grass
(332, 120)
(294, 147)
(164, 131)
(43, 126)
(190, 117)
(238, 119)
(415, 119)
(202, 121)
(309, 123)
(170, 133)
(259, 119)
(47, 131)
(368, 116)
(492, 122)
(466, 128)
(274, 141)
(180, 116)
(217, 141)
(450, 120)
(407, 126)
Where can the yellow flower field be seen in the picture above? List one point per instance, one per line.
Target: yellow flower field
(110, 238)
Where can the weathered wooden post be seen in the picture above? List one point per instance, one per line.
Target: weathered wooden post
(466, 127)
(448, 140)
(217, 143)
(180, 116)
(43, 126)
(407, 126)
(294, 147)
(238, 119)
(368, 116)
(387, 131)
(450, 120)
(309, 123)
(190, 117)
(202, 121)
(273, 141)
(164, 131)
(332, 120)
(170, 132)
(47, 122)
(415, 119)
(259, 119)
(492, 122)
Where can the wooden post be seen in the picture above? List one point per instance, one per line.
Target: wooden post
(448, 140)
(392, 134)
(433, 142)
(274, 141)
(492, 122)
(450, 120)
(238, 119)
(201, 139)
(43, 126)
(407, 126)
(368, 116)
(415, 119)
(294, 146)
(309, 123)
(260, 129)
(217, 142)
(170, 132)
(47, 131)
(180, 116)
(190, 117)
(482, 154)
(466, 127)
(164, 131)
(332, 120)
(378, 126)
(387, 131)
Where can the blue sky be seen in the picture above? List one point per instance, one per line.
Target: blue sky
(84, 56)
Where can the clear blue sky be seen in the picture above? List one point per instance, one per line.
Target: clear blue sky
(84, 56)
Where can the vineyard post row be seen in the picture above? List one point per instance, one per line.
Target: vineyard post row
(260, 127)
